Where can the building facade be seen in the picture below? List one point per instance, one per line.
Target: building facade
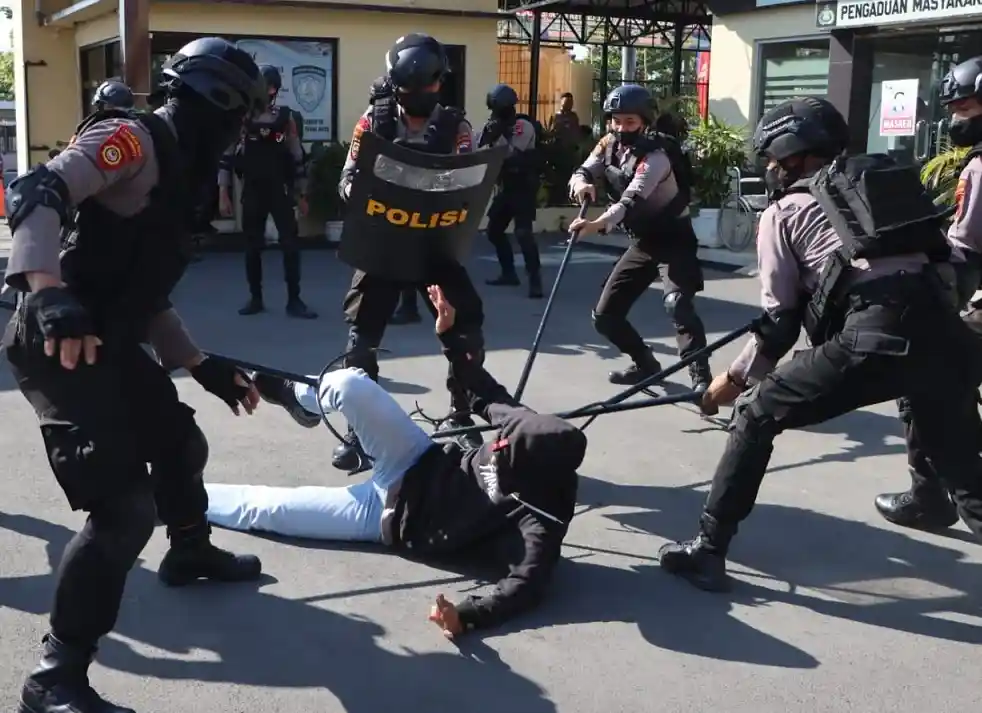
(880, 61)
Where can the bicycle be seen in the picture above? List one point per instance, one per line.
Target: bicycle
(736, 225)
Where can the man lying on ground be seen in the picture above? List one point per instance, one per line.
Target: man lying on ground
(429, 499)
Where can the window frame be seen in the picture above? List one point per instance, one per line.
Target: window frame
(758, 94)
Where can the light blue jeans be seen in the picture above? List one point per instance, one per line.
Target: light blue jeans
(351, 513)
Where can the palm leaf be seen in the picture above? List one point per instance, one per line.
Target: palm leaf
(940, 175)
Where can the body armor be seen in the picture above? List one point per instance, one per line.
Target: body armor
(441, 134)
(266, 156)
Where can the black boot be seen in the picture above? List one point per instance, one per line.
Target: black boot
(192, 556)
(700, 375)
(279, 392)
(467, 441)
(928, 509)
(508, 277)
(60, 683)
(644, 366)
(253, 306)
(349, 456)
(702, 560)
(535, 286)
(295, 307)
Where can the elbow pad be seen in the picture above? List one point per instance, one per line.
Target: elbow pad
(778, 333)
(38, 187)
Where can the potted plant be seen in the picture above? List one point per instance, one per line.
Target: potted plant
(940, 174)
(324, 173)
(716, 148)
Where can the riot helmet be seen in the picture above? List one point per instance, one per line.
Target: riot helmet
(799, 127)
(502, 101)
(218, 72)
(112, 94)
(961, 92)
(625, 102)
(274, 82)
(415, 65)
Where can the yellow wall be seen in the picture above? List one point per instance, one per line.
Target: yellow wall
(732, 72)
(98, 30)
(363, 39)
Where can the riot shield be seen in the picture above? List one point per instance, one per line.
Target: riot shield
(409, 210)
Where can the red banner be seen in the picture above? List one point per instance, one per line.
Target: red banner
(702, 82)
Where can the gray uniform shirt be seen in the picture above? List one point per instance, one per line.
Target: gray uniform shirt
(292, 139)
(113, 163)
(522, 137)
(965, 231)
(464, 142)
(653, 179)
(794, 240)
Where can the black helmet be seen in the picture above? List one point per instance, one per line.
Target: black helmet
(113, 93)
(963, 81)
(801, 125)
(631, 99)
(271, 75)
(220, 72)
(502, 97)
(416, 61)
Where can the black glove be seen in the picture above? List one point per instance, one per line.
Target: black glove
(59, 315)
(493, 131)
(218, 377)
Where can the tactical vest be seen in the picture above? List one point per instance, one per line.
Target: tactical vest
(641, 216)
(441, 134)
(266, 156)
(123, 269)
(878, 209)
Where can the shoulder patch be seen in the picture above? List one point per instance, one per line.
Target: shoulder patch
(464, 139)
(361, 127)
(120, 149)
(960, 198)
(519, 127)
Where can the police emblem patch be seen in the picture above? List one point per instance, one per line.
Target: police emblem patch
(119, 149)
(309, 85)
(960, 199)
(111, 155)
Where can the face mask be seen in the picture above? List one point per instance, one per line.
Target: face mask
(504, 114)
(628, 138)
(419, 104)
(966, 132)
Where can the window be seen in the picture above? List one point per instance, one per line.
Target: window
(98, 63)
(790, 69)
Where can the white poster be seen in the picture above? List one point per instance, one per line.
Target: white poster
(307, 69)
(898, 107)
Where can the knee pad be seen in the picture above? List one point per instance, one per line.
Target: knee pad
(121, 526)
(605, 324)
(679, 307)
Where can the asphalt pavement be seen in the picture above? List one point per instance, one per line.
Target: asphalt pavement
(833, 609)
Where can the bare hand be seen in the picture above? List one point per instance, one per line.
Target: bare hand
(445, 312)
(225, 203)
(303, 206)
(444, 614)
(722, 392)
(69, 350)
(251, 399)
(587, 189)
(581, 227)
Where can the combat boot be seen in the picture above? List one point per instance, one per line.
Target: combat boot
(508, 277)
(253, 306)
(929, 509)
(535, 286)
(60, 683)
(350, 456)
(644, 366)
(296, 307)
(702, 560)
(468, 441)
(192, 556)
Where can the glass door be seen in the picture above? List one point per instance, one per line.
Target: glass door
(926, 59)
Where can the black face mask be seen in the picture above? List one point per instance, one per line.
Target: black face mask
(628, 138)
(506, 114)
(419, 104)
(965, 132)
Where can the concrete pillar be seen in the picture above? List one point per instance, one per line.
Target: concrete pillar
(134, 33)
(47, 87)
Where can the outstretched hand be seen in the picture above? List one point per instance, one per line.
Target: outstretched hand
(445, 615)
(445, 312)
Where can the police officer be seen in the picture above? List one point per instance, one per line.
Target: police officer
(649, 179)
(106, 408)
(518, 187)
(112, 94)
(927, 504)
(880, 320)
(271, 160)
(406, 110)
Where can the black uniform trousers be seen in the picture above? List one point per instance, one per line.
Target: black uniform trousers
(101, 426)
(516, 202)
(260, 200)
(675, 245)
(924, 478)
(371, 300)
(900, 339)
